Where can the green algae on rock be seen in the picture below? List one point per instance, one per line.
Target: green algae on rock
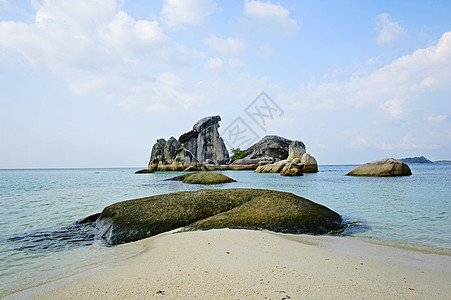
(203, 178)
(136, 219)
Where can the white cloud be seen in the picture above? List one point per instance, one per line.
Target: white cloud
(177, 13)
(230, 46)
(439, 118)
(91, 44)
(389, 31)
(215, 65)
(425, 70)
(274, 14)
(394, 107)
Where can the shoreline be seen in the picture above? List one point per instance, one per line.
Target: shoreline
(254, 264)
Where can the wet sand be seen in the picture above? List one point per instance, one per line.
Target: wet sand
(244, 264)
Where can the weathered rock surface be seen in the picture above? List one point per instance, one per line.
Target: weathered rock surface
(294, 168)
(170, 155)
(205, 142)
(276, 167)
(382, 168)
(272, 146)
(193, 148)
(144, 171)
(132, 220)
(296, 150)
(309, 162)
(204, 178)
(274, 153)
(202, 149)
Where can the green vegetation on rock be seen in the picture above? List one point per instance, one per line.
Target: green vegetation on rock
(132, 220)
(238, 153)
(203, 178)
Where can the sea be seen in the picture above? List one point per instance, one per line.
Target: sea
(41, 242)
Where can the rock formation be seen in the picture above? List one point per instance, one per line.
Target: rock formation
(294, 168)
(132, 220)
(202, 149)
(192, 149)
(270, 146)
(203, 178)
(170, 155)
(296, 160)
(382, 168)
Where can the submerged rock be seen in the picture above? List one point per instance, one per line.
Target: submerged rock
(132, 220)
(204, 178)
(144, 171)
(382, 168)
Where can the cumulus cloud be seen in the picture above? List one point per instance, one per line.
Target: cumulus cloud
(229, 46)
(389, 31)
(273, 14)
(177, 13)
(90, 44)
(394, 107)
(424, 70)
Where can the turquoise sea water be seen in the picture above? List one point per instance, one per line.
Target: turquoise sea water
(37, 206)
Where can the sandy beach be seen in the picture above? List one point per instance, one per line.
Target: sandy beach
(243, 264)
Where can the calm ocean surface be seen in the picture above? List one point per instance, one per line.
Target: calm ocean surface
(38, 205)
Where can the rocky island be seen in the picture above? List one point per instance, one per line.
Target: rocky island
(203, 149)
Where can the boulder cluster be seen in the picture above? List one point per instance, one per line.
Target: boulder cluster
(200, 145)
(203, 149)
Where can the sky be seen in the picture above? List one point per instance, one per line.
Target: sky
(94, 83)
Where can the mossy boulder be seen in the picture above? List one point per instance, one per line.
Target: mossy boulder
(132, 220)
(382, 168)
(203, 178)
(144, 171)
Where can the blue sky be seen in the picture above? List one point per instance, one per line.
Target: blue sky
(95, 83)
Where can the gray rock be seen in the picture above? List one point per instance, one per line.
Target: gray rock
(382, 168)
(170, 156)
(296, 150)
(200, 145)
(272, 146)
(204, 140)
(132, 220)
(203, 178)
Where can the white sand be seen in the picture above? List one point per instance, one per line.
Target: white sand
(242, 264)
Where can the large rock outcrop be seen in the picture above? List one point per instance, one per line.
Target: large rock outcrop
(170, 155)
(202, 149)
(382, 168)
(270, 146)
(304, 162)
(132, 220)
(193, 149)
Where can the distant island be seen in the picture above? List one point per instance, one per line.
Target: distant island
(423, 160)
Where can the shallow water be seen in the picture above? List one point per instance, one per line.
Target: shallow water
(37, 205)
